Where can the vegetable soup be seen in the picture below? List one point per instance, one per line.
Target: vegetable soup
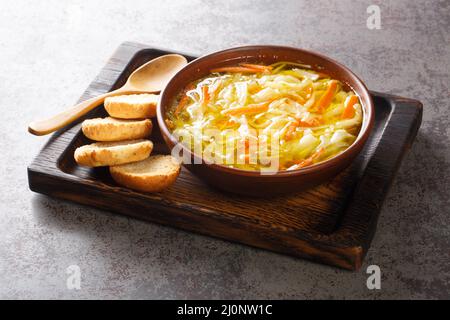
(300, 115)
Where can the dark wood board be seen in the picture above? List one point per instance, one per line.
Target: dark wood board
(333, 223)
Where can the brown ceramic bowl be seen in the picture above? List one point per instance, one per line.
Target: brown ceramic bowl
(252, 182)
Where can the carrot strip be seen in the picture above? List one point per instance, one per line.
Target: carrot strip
(247, 150)
(184, 100)
(303, 98)
(304, 163)
(349, 111)
(256, 66)
(327, 97)
(318, 154)
(205, 94)
(291, 131)
(299, 123)
(180, 107)
(227, 124)
(309, 92)
(296, 98)
(309, 161)
(236, 70)
(213, 89)
(254, 89)
(251, 108)
(314, 122)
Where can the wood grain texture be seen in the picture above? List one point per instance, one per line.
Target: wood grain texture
(333, 223)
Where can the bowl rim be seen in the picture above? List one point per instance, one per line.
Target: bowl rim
(366, 125)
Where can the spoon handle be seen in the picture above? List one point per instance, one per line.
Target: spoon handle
(43, 127)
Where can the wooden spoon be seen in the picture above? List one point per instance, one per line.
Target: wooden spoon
(151, 77)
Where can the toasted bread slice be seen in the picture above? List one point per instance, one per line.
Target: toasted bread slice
(133, 106)
(113, 153)
(110, 129)
(153, 174)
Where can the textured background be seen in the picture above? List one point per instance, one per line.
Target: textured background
(51, 50)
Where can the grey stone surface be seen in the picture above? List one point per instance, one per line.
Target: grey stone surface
(51, 50)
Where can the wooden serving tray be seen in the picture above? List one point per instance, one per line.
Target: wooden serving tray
(333, 223)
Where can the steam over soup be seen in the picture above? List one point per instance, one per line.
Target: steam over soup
(241, 116)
